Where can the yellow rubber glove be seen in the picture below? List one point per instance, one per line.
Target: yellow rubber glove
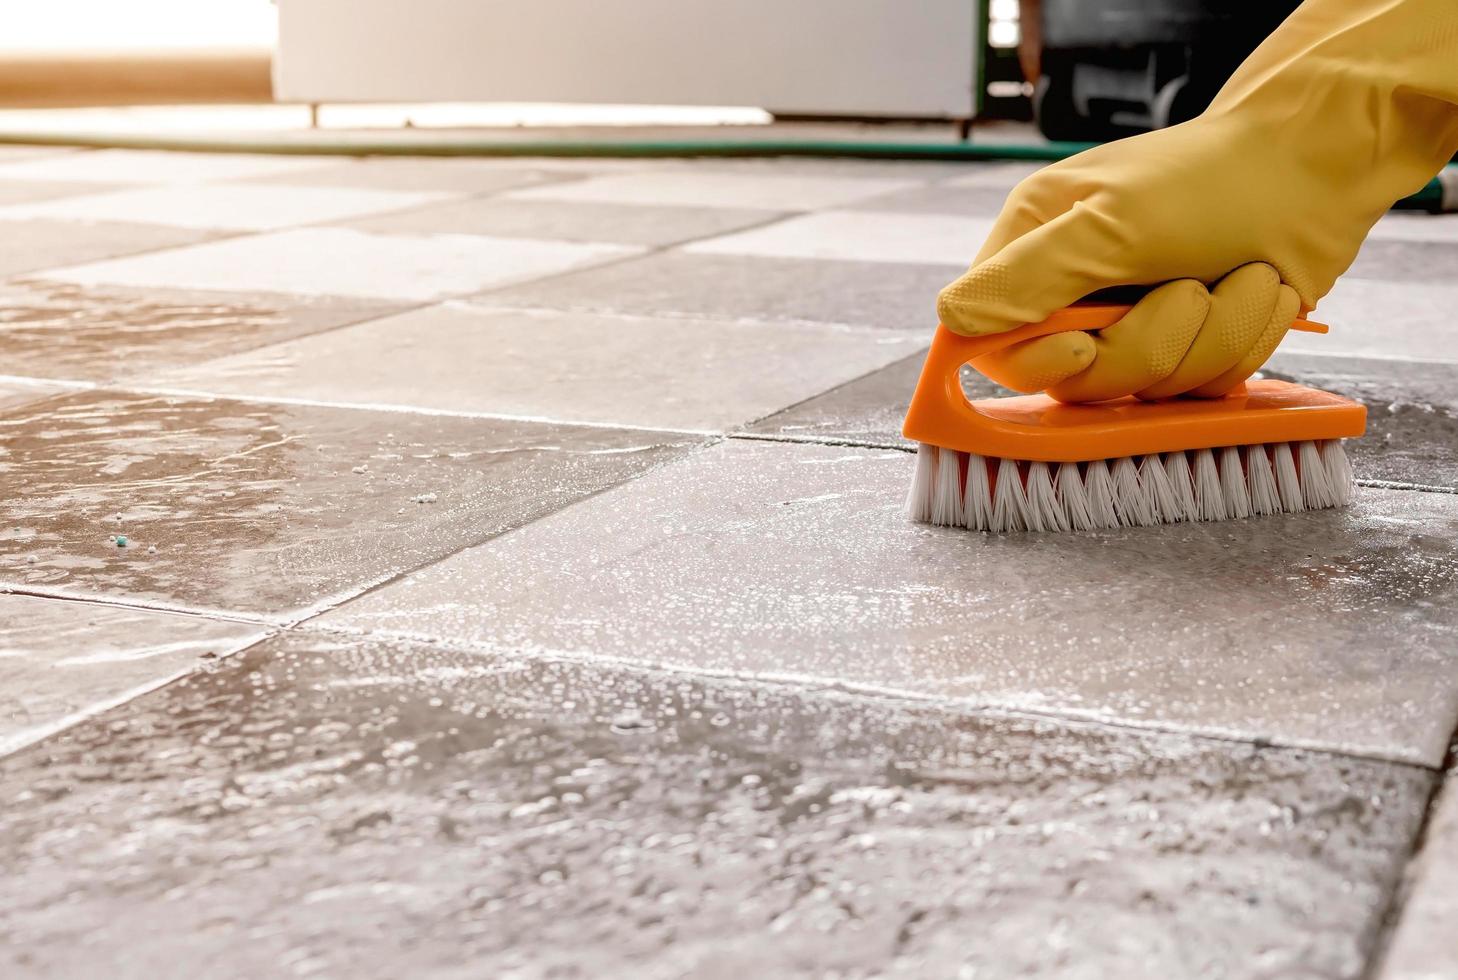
(1266, 196)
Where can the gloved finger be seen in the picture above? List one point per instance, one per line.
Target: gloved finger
(1035, 201)
(1240, 309)
(1288, 304)
(1143, 347)
(1034, 365)
(1048, 268)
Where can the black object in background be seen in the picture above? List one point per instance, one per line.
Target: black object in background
(1112, 68)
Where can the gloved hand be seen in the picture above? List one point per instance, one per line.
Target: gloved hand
(1267, 196)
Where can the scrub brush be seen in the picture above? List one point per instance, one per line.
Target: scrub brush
(1032, 463)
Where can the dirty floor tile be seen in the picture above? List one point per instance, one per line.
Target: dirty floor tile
(61, 659)
(1422, 947)
(417, 174)
(1412, 413)
(698, 188)
(574, 221)
(737, 287)
(149, 167)
(293, 806)
(36, 245)
(100, 333)
(270, 509)
(762, 558)
(580, 367)
(343, 262)
(1370, 318)
(237, 207)
(859, 236)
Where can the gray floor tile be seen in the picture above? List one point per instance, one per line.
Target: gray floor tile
(1412, 413)
(944, 198)
(881, 237)
(18, 191)
(98, 333)
(868, 411)
(1372, 318)
(60, 660)
(1399, 261)
(37, 244)
(871, 294)
(324, 261)
(579, 367)
(577, 221)
(271, 509)
(767, 190)
(352, 808)
(417, 174)
(755, 559)
(1422, 947)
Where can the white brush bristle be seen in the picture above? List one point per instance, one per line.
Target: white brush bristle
(988, 494)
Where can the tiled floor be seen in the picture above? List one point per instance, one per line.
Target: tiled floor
(472, 567)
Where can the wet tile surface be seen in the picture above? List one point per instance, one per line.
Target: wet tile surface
(569, 221)
(60, 660)
(36, 245)
(270, 509)
(705, 188)
(1422, 947)
(567, 366)
(859, 236)
(237, 207)
(769, 559)
(1412, 414)
(99, 333)
(343, 262)
(148, 167)
(738, 287)
(18, 392)
(365, 809)
(686, 709)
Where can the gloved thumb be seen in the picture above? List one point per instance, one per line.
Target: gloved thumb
(1047, 268)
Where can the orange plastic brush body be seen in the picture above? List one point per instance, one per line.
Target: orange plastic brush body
(1036, 427)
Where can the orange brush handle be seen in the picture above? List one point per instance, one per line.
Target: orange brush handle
(1036, 427)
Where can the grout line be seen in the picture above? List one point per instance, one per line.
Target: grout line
(410, 410)
(1392, 914)
(29, 738)
(1400, 485)
(337, 601)
(819, 441)
(194, 612)
(808, 683)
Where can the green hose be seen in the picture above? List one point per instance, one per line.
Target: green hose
(1439, 195)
